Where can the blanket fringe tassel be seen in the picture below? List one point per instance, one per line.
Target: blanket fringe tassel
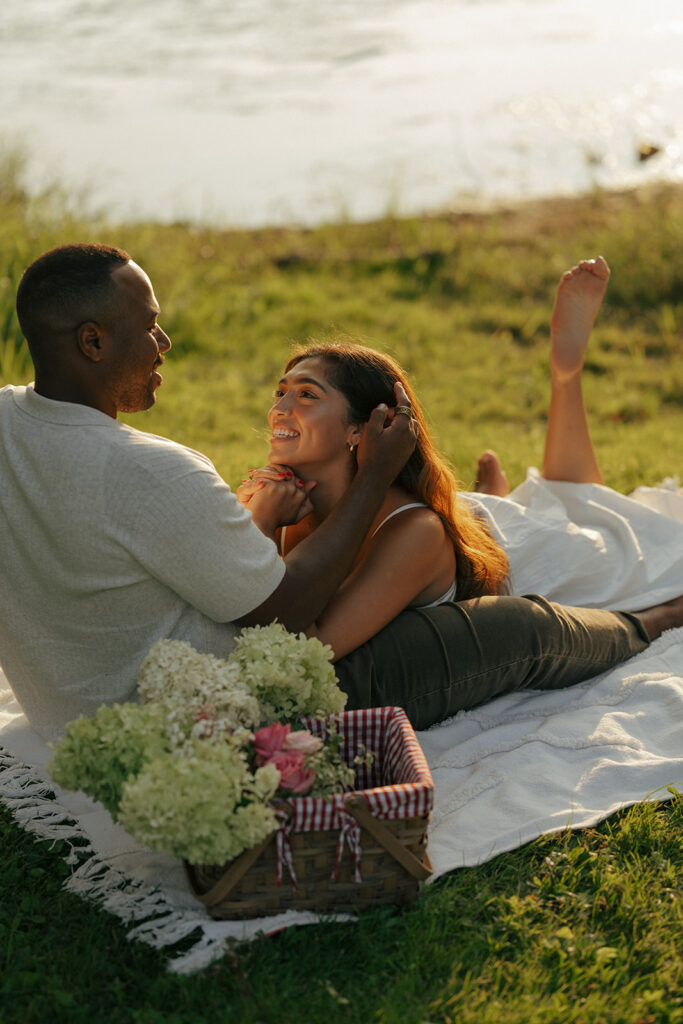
(30, 798)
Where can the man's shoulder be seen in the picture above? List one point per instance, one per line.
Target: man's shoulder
(13, 400)
(132, 444)
(8, 392)
(140, 440)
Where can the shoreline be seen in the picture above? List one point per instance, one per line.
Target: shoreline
(57, 201)
(466, 210)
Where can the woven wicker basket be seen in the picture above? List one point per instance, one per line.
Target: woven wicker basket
(393, 857)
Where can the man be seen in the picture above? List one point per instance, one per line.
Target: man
(112, 539)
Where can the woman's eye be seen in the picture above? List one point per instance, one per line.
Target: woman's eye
(277, 393)
(307, 394)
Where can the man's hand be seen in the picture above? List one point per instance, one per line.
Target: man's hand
(388, 438)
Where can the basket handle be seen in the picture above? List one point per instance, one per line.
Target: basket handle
(232, 876)
(357, 806)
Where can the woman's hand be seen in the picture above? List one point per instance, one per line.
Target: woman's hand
(275, 497)
(257, 477)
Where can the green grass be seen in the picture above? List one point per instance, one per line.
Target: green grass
(581, 927)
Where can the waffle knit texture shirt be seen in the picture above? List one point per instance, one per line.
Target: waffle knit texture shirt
(111, 539)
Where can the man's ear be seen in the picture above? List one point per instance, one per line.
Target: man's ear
(89, 337)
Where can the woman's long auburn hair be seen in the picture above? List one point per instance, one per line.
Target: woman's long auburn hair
(366, 378)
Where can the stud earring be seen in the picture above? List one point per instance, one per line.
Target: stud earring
(352, 448)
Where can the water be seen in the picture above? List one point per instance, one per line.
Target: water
(257, 112)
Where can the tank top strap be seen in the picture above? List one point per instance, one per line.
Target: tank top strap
(448, 596)
(401, 508)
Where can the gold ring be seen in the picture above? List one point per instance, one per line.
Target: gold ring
(404, 410)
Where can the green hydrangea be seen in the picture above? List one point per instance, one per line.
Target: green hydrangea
(290, 675)
(98, 754)
(202, 807)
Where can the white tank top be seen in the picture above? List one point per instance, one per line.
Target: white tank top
(450, 593)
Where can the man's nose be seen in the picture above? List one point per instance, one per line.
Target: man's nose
(163, 340)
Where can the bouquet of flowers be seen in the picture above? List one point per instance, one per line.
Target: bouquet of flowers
(199, 768)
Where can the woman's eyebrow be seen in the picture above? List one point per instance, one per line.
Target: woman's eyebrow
(304, 380)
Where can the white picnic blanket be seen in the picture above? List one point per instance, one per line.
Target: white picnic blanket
(523, 765)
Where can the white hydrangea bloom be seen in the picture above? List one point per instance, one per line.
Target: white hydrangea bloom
(177, 675)
(174, 671)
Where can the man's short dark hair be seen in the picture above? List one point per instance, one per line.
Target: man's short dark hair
(63, 288)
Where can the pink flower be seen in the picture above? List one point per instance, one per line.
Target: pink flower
(269, 741)
(293, 775)
(303, 741)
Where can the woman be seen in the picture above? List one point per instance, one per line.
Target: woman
(426, 545)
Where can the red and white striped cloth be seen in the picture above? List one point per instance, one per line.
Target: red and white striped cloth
(398, 784)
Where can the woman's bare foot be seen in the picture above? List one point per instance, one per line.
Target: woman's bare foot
(668, 615)
(579, 297)
(490, 476)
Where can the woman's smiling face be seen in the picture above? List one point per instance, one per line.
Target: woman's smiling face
(309, 420)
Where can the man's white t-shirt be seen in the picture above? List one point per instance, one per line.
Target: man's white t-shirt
(111, 539)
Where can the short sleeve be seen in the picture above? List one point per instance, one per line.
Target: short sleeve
(182, 523)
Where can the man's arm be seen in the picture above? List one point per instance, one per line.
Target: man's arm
(316, 567)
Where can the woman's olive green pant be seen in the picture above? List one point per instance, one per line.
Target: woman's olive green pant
(435, 661)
